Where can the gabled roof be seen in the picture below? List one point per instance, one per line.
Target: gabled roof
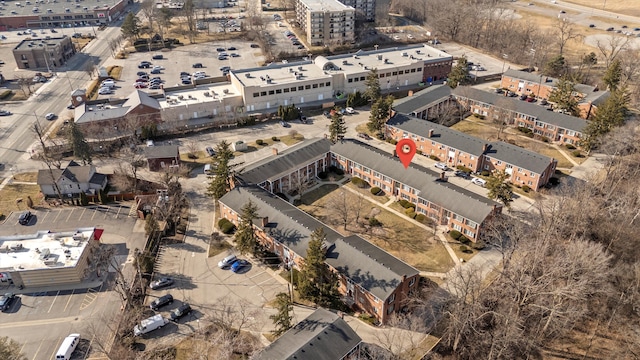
(441, 134)
(523, 107)
(321, 336)
(161, 152)
(73, 172)
(422, 99)
(90, 113)
(275, 166)
(518, 157)
(456, 199)
(367, 265)
(139, 97)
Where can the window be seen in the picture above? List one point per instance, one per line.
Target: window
(388, 74)
(300, 88)
(271, 92)
(293, 89)
(286, 90)
(413, 70)
(321, 84)
(381, 75)
(391, 298)
(307, 87)
(394, 73)
(23, 57)
(278, 91)
(263, 93)
(315, 86)
(256, 94)
(412, 281)
(328, 83)
(362, 78)
(350, 80)
(400, 72)
(419, 69)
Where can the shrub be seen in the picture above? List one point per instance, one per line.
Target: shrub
(464, 248)
(84, 201)
(410, 213)
(485, 173)
(421, 217)
(570, 146)
(374, 222)
(225, 226)
(554, 181)
(393, 141)
(275, 138)
(419, 152)
(358, 182)
(259, 142)
(323, 175)
(5, 94)
(455, 234)
(576, 153)
(375, 190)
(525, 130)
(526, 188)
(464, 169)
(333, 168)
(478, 245)
(339, 172)
(463, 239)
(433, 157)
(405, 203)
(545, 139)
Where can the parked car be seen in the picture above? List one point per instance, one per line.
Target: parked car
(531, 99)
(5, 113)
(232, 48)
(239, 265)
(186, 82)
(161, 301)
(155, 87)
(303, 119)
(284, 124)
(144, 65)
(511, 94)
(160, 283)
(197, 66)
(326, 114)
(140, 85)
(210, 151)
(150, 324)
(441, 166)
(157, 67)
(157, 57)
(226, 262)
(255, 46)
(479, 182)
(592, 25)
(181, 311)
(25, 217)
(463, 174)
(6, 300)
(141, 73)
(50, 116)
(349, 110)
(499, 91)
(156, 71)
(543, 102)
(104, 91)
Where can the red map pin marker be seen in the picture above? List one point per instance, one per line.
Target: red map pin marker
(406, 149)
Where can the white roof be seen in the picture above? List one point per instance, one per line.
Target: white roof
(325, 5)
(43, 250)
(200, 94)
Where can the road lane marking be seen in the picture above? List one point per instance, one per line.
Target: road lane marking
(118, 213)
(35, 356)
(57, 347)
(68, 217)
(68, 301)
(53, 302)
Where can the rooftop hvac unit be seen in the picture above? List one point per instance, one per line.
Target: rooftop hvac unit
(356, 57)
(206, 93)
(418, 51)
(386, 61)
(268, 81)
(405, 54)
(300, 68)
(345, 62)
(226, 91)
(247, 75)
(379, 57)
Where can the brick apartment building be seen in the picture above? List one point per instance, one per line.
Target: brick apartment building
(540, 86)
(456, 148)
(370, 278)
(445, 203)
(45, 54)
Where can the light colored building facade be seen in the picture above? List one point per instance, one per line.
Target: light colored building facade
(43, 54)
(326, 21)
(47, 258)
(365, 9)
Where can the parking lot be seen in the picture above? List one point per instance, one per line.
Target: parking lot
(181, 59)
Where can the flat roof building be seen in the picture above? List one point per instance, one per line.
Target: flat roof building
(43, 53)
(46, 257)
(326, 21)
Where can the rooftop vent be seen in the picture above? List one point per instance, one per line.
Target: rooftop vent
(226, 91)
(300, 68)
(247, 75)
(345, 62)
(356, 57)
(206, 93)
(405, 54)
(268, 81)
(379, 57)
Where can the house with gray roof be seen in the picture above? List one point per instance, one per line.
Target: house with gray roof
(457, 149)
(322, 335)
(540, 86)
(428, 104)
(162, 157)
(72, 180)
(370, 278)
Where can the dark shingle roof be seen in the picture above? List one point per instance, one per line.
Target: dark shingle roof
(523, 107)
(441, 134)
(518, 157)
(458, 200)
(422, 99)
(73, 172)
(275, 166)
(139, 97)
(161, 152)
(293, 227)
(321, 336)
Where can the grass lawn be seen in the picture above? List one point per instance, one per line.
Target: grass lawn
(26, 177)
(476, 127)
(115, 71)
(312, 196)
(367, 192)
(286, 139)
(466, 256)
(218, 248)
(411, 243)
(11, 192)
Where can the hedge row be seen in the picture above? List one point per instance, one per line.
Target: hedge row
(226, 226)
(358, 182)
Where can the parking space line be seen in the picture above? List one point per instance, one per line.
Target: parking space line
(45, 214)
(118, 213)
(69, 217)
(258, 274)
(94, 213)
(68, 301)
(53, 302)
(106, 213)
(57, 347)
(82, 213)
(35, 356)
(89, 297)
(55, 219)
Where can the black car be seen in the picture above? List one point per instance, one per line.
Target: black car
(6, 300)
(303, 119)
(157, 57)
(255, 46)
(511, 94)
(161, 301)
(462, 174)
(197, 66)
(144, 65)
(221, 49)
(162, 282)
(141, 73)
(523, 97)
(184, 73)
(181, 311)
(25, 217)
(499, 91)
(232, 48)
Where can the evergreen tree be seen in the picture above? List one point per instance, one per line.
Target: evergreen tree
(499, 188)
(459, 73)
(563, 96)
(81, 148)
(337, 128)
(10, 349)
(245, 237)
(612, 113)
(373, 92)
(282, 319)
(379, 113)
(613, 75)
(220, 183)
(317, 282)
(555, 67)
(130, 26)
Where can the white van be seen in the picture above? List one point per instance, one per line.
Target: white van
(207, 169)
(68, 345)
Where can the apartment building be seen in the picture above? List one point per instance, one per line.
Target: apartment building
(540, 86)
(371, 279)
(326, 21)
(456, 148)
(446, 204)
(365, 9)
(44, 54)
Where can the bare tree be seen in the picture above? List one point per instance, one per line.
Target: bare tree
(25, 84)
(339, 203)
(149, 9)
(611, 48)
(565, 31)
(50, 160)
(189, 11)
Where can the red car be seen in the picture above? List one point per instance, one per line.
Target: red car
(140, 85)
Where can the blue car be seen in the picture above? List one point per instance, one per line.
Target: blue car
(239, 265)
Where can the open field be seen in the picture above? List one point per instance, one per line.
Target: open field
(626, 7)
(407, 241)
(12, 192)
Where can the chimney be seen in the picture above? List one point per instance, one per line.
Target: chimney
(275, 151)
(392, 113)
(404, 277)
(484, 148)
(410, 94)
(442, 177)
(265, 221)
(430, 133)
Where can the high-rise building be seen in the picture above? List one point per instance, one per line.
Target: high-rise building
(326, 21)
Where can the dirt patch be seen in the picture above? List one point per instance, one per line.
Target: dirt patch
(11, 193)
